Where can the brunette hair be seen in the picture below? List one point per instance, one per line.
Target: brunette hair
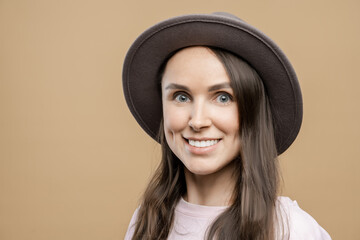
(252, 213)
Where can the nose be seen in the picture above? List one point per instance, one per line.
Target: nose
(199, 118)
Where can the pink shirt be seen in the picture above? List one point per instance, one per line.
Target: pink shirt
(191, 221)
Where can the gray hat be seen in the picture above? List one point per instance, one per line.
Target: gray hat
(141, 83)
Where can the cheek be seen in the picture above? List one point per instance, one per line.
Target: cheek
(228, 121)
(175, 118)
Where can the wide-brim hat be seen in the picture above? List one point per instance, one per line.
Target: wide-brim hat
(146, 56)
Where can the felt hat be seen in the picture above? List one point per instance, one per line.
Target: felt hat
(146, 56)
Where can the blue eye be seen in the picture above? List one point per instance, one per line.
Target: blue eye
(181, 98)
(223, 98)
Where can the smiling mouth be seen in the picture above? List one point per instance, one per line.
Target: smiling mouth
(202, 143)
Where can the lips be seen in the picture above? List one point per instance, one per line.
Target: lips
(201, 146)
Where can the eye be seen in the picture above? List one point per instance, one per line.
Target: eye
(223, 98)
(181, 97)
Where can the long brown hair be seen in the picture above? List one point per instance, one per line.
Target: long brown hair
(252, 213)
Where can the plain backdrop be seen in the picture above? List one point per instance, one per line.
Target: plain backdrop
(73, 161)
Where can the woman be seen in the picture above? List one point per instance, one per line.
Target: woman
(223, 101)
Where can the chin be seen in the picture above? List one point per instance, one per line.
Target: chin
(201, 170)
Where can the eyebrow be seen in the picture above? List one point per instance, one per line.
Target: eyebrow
(210, 89)
(176, 86)
(219, 86)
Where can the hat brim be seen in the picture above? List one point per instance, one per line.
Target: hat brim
(145, 57)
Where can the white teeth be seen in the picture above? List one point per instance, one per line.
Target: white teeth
(201, 144)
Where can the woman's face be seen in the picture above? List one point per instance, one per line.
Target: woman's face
(201, 119)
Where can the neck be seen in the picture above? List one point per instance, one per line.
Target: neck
(215, 189)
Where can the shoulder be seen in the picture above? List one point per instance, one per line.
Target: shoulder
(297, 223)
(130, 231)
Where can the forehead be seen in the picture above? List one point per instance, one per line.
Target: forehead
(195, 65)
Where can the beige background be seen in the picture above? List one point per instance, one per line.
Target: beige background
(73, 161)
